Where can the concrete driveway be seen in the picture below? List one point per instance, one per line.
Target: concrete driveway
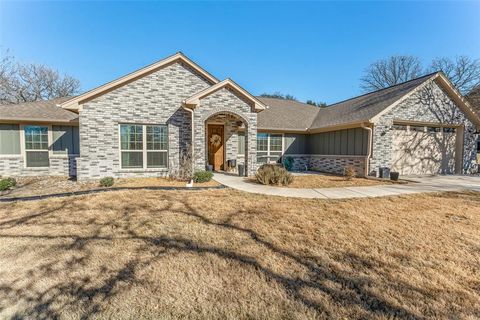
(418, 185)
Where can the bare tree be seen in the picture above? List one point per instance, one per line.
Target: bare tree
(388, 72)
(463, 71)
(474, 98)
(32, 82)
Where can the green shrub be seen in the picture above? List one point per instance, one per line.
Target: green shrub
(202, 176)
(271, 174)
(7, 183)
(106, 182)
(288, 163)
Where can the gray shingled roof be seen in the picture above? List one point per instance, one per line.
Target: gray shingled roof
(293, 115)
(286, 114)
(364, 107)
(281, 114)
(38, 111)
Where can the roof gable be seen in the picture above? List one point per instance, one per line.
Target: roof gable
(75, 102)
(194, 100)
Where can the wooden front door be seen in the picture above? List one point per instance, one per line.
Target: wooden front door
(215, 146)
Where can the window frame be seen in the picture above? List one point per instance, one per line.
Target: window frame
(144, 149)
(23, 143)
(269, 151)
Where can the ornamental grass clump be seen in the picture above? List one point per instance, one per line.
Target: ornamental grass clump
(349, 173)
(270, 174)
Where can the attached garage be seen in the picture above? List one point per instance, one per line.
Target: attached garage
(427, 149)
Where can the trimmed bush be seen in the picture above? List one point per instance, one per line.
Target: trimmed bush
(106, 182)
(271, 174)
(7, 183)
(349, 172)
(288, 163)
(202, 176)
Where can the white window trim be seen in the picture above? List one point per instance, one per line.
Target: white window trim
(268, 143)
(144, 150)
(24, 150)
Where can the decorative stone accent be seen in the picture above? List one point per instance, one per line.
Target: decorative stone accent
(327, 163)
(59, 166)
(226, 102)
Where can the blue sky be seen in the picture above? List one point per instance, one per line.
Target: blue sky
(312, 50)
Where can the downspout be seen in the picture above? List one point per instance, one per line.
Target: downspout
(192, 135)
(369, 151)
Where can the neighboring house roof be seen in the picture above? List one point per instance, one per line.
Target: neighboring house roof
(41, 111)
(282, 114)
(194, 100)
(74, 102)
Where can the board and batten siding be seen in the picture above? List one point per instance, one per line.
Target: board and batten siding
(353, 142)
(62, 151)
(9, 139)
(294, 143)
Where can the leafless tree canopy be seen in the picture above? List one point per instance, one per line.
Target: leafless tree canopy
(388, 72)
(32, 82)
(464, 72)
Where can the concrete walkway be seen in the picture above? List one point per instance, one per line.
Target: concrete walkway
(420, 185)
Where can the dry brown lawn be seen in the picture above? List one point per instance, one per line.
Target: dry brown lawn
(325, 180)
(332, 181)
(33, 186)
(223, 254)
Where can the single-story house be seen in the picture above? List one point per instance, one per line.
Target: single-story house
(146, 122)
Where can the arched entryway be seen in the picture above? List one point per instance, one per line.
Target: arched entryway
(226, 140)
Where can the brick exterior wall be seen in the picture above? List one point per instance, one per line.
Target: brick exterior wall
(156, 99)
(59, 166)
(225, 101)
(327, 163)
(429, 104)
(153, 99)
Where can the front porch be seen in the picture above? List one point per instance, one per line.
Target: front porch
(225, 144)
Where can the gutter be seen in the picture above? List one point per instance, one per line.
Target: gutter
(193, 136)
(369, 151)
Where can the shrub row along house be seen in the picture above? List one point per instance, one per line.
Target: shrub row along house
(141, 125)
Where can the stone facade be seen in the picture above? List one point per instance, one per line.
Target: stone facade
(429, 104)
(59, 166)
(225, 101)
(153, 99)
(330, 164)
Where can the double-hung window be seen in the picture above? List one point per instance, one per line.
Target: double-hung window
(143, 146)
(269, 147)
(36, 146)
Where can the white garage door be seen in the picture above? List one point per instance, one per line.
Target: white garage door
(419, 150)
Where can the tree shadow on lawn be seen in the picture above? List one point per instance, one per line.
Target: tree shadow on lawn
(90, 290)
